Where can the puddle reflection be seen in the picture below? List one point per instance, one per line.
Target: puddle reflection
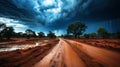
(16, 47)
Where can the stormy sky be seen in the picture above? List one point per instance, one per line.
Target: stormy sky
(56, 15)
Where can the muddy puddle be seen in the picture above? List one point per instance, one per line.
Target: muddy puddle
(16, 47)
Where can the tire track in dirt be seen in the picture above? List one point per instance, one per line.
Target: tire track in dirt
(62, 55)
(48, 60)
(57, 59)
(103, 56)
(89, 61)
(70, 57)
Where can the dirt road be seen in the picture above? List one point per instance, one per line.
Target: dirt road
(69, 53)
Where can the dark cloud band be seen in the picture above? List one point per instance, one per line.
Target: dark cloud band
(55, 13)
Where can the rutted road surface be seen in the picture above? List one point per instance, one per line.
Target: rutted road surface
(69, 53)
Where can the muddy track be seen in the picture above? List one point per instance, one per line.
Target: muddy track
(61, 56)
(89, 61)
(101, 56)
(24, 58)
(69, 53)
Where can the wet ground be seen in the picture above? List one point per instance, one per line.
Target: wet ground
(58, 53)
(69, 53)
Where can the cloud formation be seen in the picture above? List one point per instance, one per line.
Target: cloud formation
(57, 14)
(14, 23)
(51, 10)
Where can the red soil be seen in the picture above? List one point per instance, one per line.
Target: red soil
(112, 44)
(26, 57)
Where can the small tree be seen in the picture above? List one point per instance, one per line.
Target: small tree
(19, 34)
(2, 27)
(103, 32)
(86, 35)
(8, 32)
(118, 35)
(30, 33)
(41, 34)
(51, 35)
(76, 29)
(92, 35)
(34, 34)
(115, 35)
(68, 36)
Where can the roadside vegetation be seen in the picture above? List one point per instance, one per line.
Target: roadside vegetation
(74, 30)
(7, 33)
(77, 30)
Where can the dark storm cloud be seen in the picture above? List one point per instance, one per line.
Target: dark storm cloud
(57, 14)
(85, 9)
(98, 10)
(8, 9)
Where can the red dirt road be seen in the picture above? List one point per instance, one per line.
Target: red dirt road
(69, 53)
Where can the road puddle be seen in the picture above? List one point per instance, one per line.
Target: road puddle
(16, 47)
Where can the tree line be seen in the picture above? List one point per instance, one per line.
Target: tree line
(74, 30)
(9, 32)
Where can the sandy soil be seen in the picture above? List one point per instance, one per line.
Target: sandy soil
(69, 53)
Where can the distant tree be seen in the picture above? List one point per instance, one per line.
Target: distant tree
(51, 35)
(19, 34)
(115, 35)
(118, 35)
(102, 32)
(76, 29)
(86, 35)
(41, 34)
(34, 34)
(25, 35)
(92, 35)
(8, 32)
(2, 27)
(68, 36)
(30, 33)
